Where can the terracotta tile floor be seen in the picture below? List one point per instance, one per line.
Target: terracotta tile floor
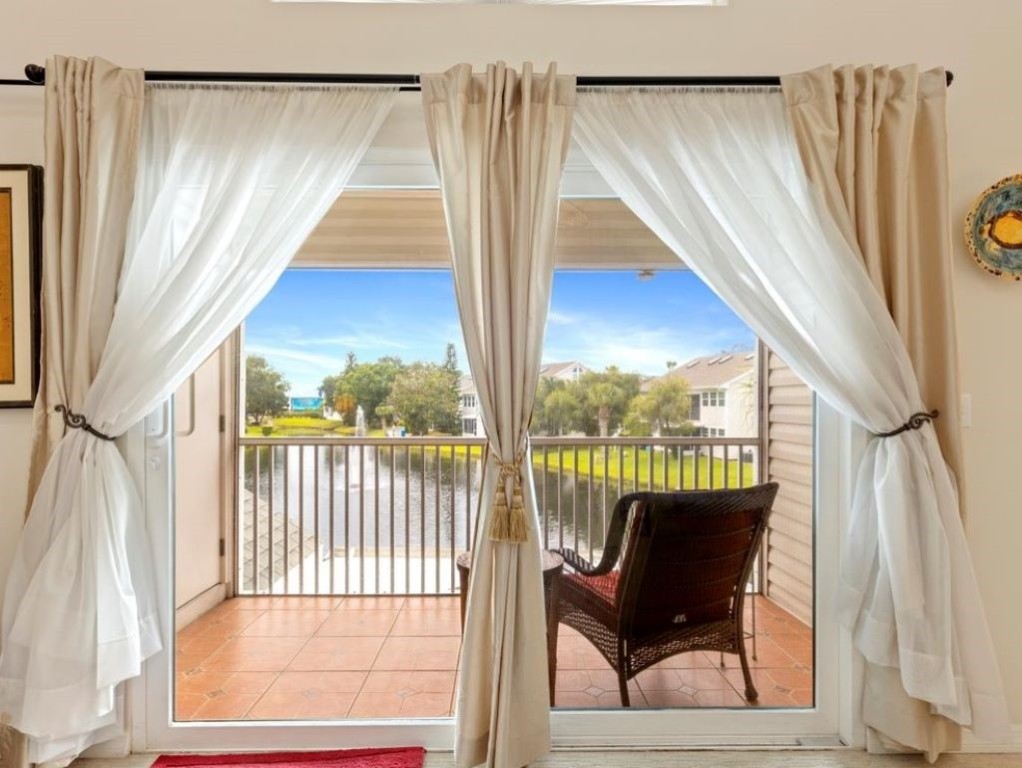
(329, 657)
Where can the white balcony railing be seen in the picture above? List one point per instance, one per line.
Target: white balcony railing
(339, 516)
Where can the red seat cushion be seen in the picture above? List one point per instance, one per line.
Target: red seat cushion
(602, 588)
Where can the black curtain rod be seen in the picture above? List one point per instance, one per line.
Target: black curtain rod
(36, 75)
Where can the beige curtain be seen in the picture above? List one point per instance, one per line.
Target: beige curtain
(874, 143)
(499, 142)
(93, 119)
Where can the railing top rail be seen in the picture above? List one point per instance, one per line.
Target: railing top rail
(628, 441)
(539, 442)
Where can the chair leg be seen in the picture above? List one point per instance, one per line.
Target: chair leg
(622, 683)
(751, 694)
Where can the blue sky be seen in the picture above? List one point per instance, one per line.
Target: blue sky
(312, 318)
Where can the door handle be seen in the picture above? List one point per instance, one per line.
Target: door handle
(191, 410)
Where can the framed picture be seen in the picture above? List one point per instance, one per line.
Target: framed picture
(21, 217)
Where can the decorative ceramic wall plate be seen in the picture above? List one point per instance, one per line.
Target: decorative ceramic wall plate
(993, 229)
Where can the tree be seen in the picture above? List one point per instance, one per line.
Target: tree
(560, 410)
(451, 360)
(604, 398)
(386, 413)
(425, 397)
(365, 384)
(663, 409)
(328, 390)
(344, 406)
(265, 389)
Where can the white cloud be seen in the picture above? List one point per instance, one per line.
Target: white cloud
(351, 341)
(561, 318)
(294, 355)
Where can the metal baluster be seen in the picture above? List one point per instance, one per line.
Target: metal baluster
(709, 466)
(393, 553)
(436, 506)
(546, 510)
(681, 467)
(287, 519)
(376, 519)
(560, 494)
(666, 454)
(620, 470)
(606, 474)
(361, 519)
(454, 516)
(315, 515)
(589, 505)
(727, 468)
(468, 500)
(255, 525)
(635, 467)
(408, 519)
(347, 519)
(574, 492)
(301, 519)
(422, 523)
(649, 467)
(269, 521)
(333, 514)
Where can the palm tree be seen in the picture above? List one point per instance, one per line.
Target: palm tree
(602, 396)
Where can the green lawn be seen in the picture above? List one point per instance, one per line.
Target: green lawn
(305, 426)
(676, 478)
(624, 467)
(683, 477)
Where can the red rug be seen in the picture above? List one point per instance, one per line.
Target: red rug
(394, 757)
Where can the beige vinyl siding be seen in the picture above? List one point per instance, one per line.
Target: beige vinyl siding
(788, 418)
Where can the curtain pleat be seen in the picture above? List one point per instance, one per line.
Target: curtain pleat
(499, 142)
(717, 175)
(874, 142)
(230, 181)
(92, 107)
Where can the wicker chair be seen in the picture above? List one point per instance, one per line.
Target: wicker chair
(685, 560)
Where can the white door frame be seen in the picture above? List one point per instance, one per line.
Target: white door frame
(153, 728)
(400, 157)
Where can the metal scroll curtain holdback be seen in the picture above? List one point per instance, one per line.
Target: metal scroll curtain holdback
(74, 420)
(915, 421)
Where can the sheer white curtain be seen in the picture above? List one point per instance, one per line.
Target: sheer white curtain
(499, 142)
(230, 183)
(718, 177)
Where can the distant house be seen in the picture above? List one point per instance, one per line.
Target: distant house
(471, 420)
(725, 396)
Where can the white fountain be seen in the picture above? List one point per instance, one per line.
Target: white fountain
(360, 422)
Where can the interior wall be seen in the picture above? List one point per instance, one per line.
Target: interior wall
(975, 39)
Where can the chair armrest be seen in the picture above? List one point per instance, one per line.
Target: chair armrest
(579, 564)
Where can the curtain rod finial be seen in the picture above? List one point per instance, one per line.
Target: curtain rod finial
(34, 73)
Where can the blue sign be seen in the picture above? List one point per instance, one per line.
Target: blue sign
(306, 403)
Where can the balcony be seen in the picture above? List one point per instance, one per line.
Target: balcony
(348, 596)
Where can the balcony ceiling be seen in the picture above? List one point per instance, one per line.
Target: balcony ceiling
(406, 228)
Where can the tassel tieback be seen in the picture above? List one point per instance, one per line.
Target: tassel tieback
(508, 520)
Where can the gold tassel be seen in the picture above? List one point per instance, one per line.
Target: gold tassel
(508, 524)
(499, 525)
